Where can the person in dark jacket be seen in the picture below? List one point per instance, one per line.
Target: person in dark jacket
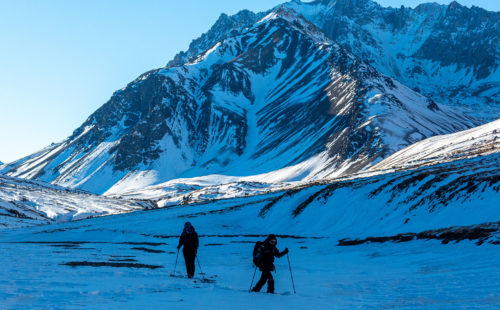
(189, 239)
(267, 252)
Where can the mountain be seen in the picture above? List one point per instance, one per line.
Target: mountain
(450, 54)
(25, 203)
(469, 148)
(278, 99)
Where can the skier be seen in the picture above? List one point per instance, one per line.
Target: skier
(189, 239)
(264, 253)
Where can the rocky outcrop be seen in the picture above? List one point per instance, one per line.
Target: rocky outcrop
(448, 53)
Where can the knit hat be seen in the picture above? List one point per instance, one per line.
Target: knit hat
(271, 237)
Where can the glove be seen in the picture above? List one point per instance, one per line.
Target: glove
(285, 251)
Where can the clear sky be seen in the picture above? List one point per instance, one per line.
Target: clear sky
(61, 60)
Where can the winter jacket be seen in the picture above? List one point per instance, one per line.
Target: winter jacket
(268, 252)
(189, 239)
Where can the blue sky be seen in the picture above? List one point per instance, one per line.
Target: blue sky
(61, 60)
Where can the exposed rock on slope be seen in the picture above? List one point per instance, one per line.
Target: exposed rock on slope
(278, 95)
(448, 53)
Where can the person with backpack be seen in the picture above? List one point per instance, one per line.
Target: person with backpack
(263, 258)
(189, 239)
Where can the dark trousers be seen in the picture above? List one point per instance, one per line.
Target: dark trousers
(189, 257)
(265, 277)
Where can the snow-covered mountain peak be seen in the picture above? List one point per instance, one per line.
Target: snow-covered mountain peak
(430, 49)
(272, 101)
(268, 97)
(298, 22)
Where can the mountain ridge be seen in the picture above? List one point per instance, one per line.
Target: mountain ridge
(204, 113)
(402, 43)
(449, 53)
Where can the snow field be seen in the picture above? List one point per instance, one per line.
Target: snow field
(415, 275)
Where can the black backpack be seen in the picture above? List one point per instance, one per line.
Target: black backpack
(257, 253)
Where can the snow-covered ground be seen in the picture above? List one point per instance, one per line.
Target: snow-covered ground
(420, 274)
(25, 202)
(126, 260)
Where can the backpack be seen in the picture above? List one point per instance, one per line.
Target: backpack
(257, 253)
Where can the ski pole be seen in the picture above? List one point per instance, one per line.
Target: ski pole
(291, 274)
(251, 284)
(201, 271)
(177, 257)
